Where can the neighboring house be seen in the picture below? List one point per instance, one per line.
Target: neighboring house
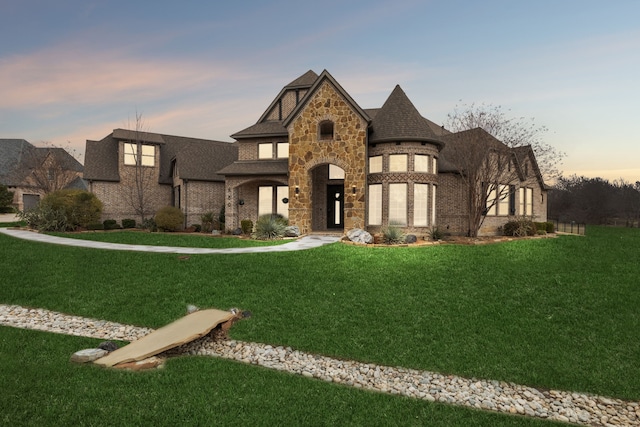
(31, 172)
(164, 170)
(319, 159)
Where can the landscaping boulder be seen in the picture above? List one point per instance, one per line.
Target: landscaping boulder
(88, 355)
(108, 346)
(410, 238)
(237, 232)
(292, 231)
(358, 235)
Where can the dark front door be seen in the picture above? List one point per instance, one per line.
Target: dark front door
(335, 206)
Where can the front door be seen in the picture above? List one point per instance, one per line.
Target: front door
(335, 206)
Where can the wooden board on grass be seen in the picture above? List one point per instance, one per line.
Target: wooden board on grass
(182, 331)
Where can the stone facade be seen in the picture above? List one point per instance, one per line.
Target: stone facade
(346, 148)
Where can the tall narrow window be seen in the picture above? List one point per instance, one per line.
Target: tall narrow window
(325, 130)
(434, 165)
(529, 201)
(375, 204)
(421, 163)
(375, 164)
(398, 204)
(397, 163)
(433, 205)
(491, 202)
(420, 205)
(265, 200)
(503, 204)
(521, 210)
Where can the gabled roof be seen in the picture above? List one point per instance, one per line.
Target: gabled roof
(454, 143)
(399, 120)
(18, 158)
(196, 159)
(325, 76)
(274, 128)
(12, 152)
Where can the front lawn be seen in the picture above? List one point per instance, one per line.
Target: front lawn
(551, 313)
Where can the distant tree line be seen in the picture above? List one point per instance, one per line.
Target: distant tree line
(595, 201)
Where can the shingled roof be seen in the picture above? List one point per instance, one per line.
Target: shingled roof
(399, 120)
(197, 159)
(257, 167)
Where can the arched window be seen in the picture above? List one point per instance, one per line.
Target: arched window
(325, 130)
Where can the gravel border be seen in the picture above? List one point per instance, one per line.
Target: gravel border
(497, 396)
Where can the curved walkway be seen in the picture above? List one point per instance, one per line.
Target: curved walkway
(306, 242)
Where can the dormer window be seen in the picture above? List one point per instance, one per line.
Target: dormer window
(145, 156)
(325, 130)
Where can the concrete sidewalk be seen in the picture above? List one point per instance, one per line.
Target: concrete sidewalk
(306, 242)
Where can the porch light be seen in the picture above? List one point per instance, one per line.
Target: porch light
(353, 189)
(241, 202)
(297, 190)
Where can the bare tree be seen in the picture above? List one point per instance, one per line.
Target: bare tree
(51, 168)
(141, 176)
(487, 168)
(513, 132)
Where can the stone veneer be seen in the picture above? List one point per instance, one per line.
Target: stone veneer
(347, 149)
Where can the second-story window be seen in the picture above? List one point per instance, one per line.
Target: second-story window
(265, 151)
(282, 150)
(144, 157)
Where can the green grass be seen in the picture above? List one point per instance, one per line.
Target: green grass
(41, 387)
(170, 239)
(552, 313)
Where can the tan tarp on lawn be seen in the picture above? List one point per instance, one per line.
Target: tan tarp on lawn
(182, 331)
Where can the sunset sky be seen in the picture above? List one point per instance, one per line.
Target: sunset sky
(75, 70)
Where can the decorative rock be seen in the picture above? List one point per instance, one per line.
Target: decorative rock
(109, 346)
(237, 232)
(191, 308)
(358, 235)
(88, 355)
(410, 238)
(292, 231)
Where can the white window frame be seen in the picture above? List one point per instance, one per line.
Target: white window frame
(147, 154)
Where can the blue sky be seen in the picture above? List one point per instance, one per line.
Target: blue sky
(75, 70)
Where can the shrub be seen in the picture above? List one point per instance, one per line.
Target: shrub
(520, 227)
(95, 226)
(221, 218)
(169, 218)
(551, 228)
(196, 227)
(6, 198)
(80, 207)
(269, 227)
(128, 223)
(247, 226)
(110, 224)
(435, 233)
(392, 234)
(149, 224)
(207, 222)
(45, 218)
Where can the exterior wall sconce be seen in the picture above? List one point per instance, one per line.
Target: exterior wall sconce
(297, 190)
(241, 202)
(285, 200)
(353, 189)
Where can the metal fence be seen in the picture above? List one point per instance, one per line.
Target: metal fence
(570, 227)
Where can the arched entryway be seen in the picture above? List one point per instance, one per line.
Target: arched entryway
(328, 198)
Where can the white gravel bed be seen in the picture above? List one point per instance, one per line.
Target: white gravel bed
(498, 396)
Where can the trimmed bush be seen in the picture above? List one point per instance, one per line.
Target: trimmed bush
(551, 228)
(149, 224)
(6, 198)
(247, 226)
(128, 223)
(270, 227)
(169, 218)
(520, 227)
(110, 224)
